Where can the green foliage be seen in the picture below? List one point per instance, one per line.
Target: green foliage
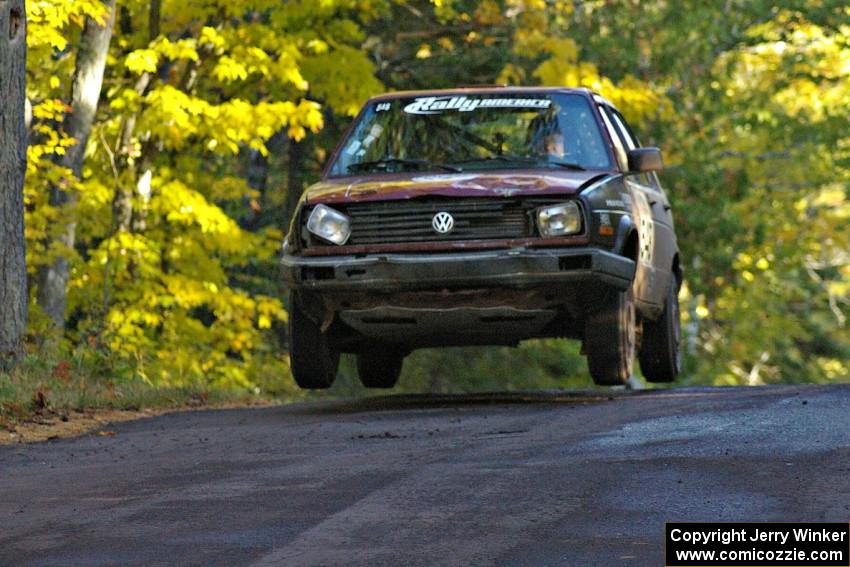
(193, 164)
(776, 289)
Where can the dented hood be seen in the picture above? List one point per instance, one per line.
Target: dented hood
(395, 186)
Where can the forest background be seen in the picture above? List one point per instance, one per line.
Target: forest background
(170, 139)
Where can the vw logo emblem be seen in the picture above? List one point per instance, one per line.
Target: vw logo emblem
(443, 222)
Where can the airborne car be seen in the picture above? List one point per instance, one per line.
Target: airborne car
(484, 216)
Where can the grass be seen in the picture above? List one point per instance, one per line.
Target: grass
(43, 385)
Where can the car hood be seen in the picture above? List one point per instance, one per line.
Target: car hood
(396, 186)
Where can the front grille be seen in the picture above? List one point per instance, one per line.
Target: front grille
(388, 222)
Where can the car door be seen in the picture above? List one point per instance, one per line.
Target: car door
(654, 222)
(649, 216)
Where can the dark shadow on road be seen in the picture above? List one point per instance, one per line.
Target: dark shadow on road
(430, 400)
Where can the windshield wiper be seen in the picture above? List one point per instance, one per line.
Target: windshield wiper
(525, 159)
(567, 165)
(518, 159)
(399, 161)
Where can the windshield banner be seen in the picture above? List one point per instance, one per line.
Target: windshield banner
(437, 105)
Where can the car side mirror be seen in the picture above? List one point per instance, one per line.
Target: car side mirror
(642, 160)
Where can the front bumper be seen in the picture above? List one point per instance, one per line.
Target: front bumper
(515, 267)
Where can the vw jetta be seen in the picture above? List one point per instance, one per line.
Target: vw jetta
(484, 216)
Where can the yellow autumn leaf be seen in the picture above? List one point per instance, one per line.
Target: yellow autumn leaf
(142, 61)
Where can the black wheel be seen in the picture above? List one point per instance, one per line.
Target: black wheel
(609, 341)
(660, 353)
(380, 368)
(312, 358)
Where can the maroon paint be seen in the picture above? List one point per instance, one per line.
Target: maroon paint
(407, 185)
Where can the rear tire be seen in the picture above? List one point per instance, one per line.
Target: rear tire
(313, 359)
(609, 341)
(660, 351)
(380, 368)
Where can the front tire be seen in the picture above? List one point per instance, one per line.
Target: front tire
(380, 368)
(609, 341)
(313, 359)
(660, 351)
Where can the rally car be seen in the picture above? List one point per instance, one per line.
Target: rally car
(484, 216)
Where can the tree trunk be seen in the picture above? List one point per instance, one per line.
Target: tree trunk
(13, 159)
(124, 217)
(85, 93)
(257, 171)
(256, 175)
(154, 16)
(295, 184)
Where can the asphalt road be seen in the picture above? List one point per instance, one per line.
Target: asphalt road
(571, 479)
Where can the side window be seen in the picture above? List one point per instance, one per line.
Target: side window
(619, 148)
(624, 131)
(631, 143)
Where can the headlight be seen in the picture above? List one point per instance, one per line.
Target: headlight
(329, 225)
(559, 220)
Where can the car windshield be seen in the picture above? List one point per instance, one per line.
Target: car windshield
(474, 132)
